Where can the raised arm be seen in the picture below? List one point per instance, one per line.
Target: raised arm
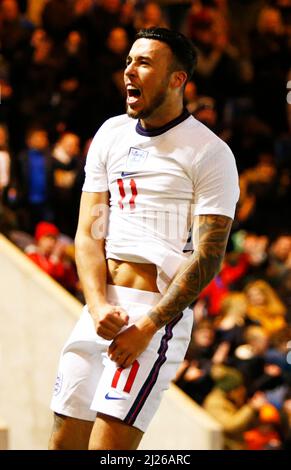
(91, 263)
(210, 234)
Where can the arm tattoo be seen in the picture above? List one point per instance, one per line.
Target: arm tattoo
(211, 233)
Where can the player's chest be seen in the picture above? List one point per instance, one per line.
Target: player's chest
(148, 168)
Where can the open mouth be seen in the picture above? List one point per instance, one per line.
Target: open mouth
(133, 94)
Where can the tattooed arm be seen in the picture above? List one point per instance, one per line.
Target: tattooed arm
(210, 235)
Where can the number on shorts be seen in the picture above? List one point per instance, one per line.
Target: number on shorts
(130, 379)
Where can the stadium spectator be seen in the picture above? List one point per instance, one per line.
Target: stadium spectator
(266, 435)
(265, 307)
(49, 254)
(228, 405)
(193, 376)
(35, 179)
(230, 323)
(66, 154)
(219, 287)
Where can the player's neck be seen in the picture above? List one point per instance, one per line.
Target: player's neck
(162, 117)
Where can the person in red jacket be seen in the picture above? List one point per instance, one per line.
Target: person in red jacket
(49, 255)
(219, 287)
(46, 252)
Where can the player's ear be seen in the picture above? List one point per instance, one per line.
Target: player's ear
(178, 79)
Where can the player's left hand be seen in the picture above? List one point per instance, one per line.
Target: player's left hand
(130, 343)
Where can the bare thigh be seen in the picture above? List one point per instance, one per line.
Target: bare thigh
(110, 433)
(70, 433)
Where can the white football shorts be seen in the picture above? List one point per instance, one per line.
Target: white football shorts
(88, 382)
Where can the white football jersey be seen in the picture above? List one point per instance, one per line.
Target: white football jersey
(158, 180)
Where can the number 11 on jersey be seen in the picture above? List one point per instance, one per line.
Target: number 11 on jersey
(122, 193)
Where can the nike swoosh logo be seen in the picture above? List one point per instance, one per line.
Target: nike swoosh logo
(108, 397)
(128, 173)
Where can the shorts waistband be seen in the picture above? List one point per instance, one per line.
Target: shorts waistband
(120, 293)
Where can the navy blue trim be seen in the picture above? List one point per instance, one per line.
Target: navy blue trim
(160, 130)
(153, 375)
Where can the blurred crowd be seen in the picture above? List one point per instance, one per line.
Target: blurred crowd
(61, 76)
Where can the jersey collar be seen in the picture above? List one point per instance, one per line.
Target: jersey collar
(160, 130)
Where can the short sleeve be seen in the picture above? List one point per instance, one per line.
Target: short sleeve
(216, 186)
(95, 168)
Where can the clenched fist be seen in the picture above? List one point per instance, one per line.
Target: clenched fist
(109, 320)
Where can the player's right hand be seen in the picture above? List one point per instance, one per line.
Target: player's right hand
(109, 320)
